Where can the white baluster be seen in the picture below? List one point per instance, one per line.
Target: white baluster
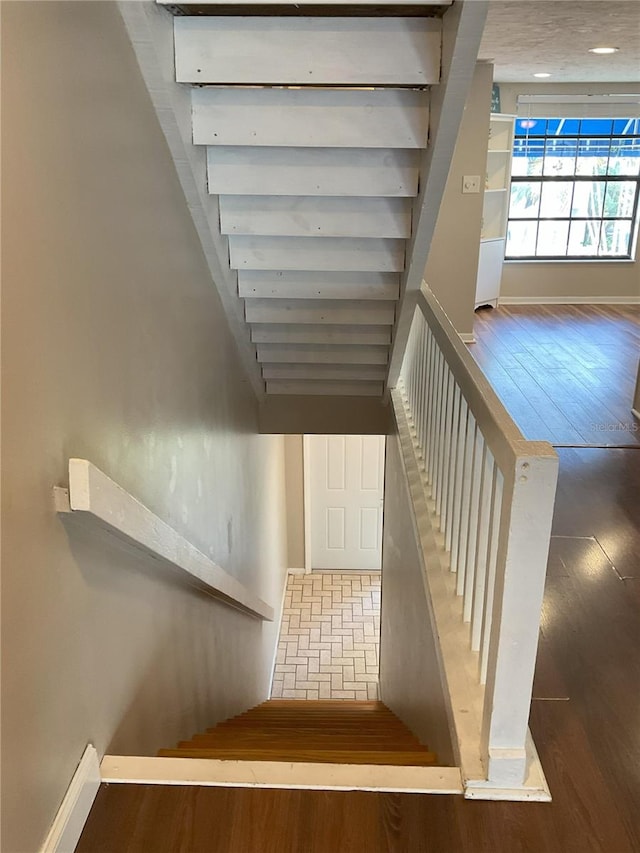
(467, 482)
(496, 515)
(484, 530)
(453, 461)
(446, 462)
(457, 497)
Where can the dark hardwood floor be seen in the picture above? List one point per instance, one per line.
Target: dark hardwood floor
(585, 715)
(566, 373)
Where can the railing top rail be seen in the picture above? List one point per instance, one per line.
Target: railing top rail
(95, 499)
(501, 433)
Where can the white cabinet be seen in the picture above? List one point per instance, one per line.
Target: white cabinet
(495, 209)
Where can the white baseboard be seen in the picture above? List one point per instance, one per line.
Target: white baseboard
(69, 822)
(534, 788)
(467, 337)
(301, 571)
(635, 412)
(570, 300)
(278, 616)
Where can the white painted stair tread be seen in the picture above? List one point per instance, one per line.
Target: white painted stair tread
(313, 216)
(311, 284)
(303, 50)
(342, 118)
(329, 389)
(324, 371)
(322, 354)
(319, 311)
(339, 254)
(361, 172)
(286, 334)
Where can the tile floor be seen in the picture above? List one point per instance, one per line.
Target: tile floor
(329, 637)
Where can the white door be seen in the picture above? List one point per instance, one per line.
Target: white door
(346, 482)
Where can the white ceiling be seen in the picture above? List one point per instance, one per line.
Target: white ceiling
(525, 36)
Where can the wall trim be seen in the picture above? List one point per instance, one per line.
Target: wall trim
(280, 774)
(306, 492)
(569, 300)
(150, 31)
(74, 810)
(535, 788)
(467, 337)
(280, 615)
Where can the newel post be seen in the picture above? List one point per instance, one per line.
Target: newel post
(525, 530)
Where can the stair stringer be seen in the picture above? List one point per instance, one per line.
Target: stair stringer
(462, 28)
(150, 29)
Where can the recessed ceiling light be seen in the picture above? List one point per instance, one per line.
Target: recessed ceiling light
(542, 74)
(604, 49)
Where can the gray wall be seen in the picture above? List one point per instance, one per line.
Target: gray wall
(452, 266)
(410, 682)
(114, 349)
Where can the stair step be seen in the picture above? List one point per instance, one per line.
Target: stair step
(339, 50)
(324, 756)
(322, 731)
(351, 172)
(317, 254)
(322, 354)
(318, 734)
(298, 740)
(317, 311)
(310, 117)
(315, 216)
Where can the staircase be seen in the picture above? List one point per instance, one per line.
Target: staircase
(313, 144)
(318, 731)
(313, 128)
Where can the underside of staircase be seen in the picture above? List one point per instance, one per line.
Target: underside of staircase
(325, 731)
(313, 150)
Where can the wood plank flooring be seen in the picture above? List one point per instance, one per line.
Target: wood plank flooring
(584, 718)
(566, 373)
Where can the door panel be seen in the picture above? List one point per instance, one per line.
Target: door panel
(346, 480)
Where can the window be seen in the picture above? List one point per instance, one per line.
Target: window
(574, 189)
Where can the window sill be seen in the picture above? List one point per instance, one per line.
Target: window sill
(599, 261)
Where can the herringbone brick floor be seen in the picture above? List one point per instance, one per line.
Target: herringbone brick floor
(329, 637)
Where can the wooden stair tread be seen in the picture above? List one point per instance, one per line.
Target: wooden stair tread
(306, 722)
(306, 742)
(324, 756)
(321, 731)
(301, 731)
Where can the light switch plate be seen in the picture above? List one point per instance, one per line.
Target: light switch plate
(471, 183)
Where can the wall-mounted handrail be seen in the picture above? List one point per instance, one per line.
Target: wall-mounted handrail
(490, 495)
(96, 499)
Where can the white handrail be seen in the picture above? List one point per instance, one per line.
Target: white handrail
(95, 498)
(490, 495)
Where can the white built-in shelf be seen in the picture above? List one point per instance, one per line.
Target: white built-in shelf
(495, 209)
(98, 502)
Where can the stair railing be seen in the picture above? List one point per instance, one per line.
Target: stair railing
(484, 500)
